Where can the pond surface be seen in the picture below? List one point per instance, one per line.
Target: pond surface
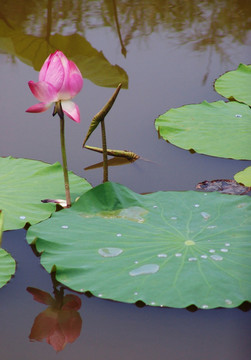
(171, 53)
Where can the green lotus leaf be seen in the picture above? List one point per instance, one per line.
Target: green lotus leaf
(244, 177)
(217, 129)
(165, 249)
(24, 183)
(236, 84)
(7, 267)
(7, 263)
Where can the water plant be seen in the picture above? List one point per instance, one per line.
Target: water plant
(59, 81)
(165, 248)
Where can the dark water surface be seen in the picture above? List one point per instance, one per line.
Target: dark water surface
(171, 52)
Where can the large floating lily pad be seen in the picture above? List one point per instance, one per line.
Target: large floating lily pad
(236, 84)
(218, 129)
(24, 183)
(244, 177)
(7, 263)
(165, 249)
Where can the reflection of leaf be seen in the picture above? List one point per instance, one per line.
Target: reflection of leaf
(236, 84)
(24, 183)
(115, 161)
(244, 177)
(34, 50)
(223, 186)
(216, 129)
(166, 248)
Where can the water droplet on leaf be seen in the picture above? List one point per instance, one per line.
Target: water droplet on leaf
(133, 213)
(22, 217)
(224, 250)
(64, 226)
(205, 215)
(192, 259)
(204, 306)
(110, 252)
(216, 257)
(178, 254)
(238, 115)
(162, 255)
(145, 269)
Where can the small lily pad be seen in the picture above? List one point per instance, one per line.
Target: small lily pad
(7, 267)
(25, 183)
(236, 84)
(165, 249)
(244, 177)
(7, 263)
(217, 129)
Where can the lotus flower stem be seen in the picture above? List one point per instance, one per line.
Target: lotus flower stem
(105, 161)
(59, 111)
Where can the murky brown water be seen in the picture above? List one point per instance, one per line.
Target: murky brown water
(171, 52)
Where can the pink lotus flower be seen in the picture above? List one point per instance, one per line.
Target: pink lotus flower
(59, 80)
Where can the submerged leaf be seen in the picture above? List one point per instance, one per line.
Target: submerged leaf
(165, 249)
(217, 129)
(236, 84)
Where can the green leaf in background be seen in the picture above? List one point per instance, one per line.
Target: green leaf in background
(236, 84)
(24, 183)
(244, 177)
(7, 263)
(217, 129)
(165, 249)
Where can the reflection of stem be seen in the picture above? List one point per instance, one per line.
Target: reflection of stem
(58, 107)
(105, 164)
(58, 294)
(123, 49)
(49, 20)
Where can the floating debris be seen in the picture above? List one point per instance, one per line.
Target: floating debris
(223, 186)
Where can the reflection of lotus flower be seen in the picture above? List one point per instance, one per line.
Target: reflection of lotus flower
(60, 323)
(59, 80)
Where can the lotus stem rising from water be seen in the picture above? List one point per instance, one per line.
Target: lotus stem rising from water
(59, 81)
